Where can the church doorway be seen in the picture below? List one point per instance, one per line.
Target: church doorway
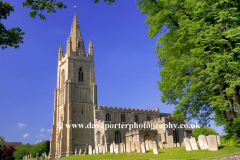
(147, 137)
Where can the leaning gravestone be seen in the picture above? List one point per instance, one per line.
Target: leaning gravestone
(128, 147)
(160, 145)
(150, 145)
(212, 142)
(155, 150)
(202, 142)
(218, 140)
(193, 143)
(80, 151)
(90, 149)
(111, 148)
(93, 151)
(187, 144)
(170, 142)
(146, 144)
(143, 147)
(138, 147)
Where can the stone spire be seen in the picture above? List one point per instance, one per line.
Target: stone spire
(75, 38)
(90, 48)
(60, 52)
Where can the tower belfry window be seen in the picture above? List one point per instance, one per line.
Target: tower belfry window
(80, 75)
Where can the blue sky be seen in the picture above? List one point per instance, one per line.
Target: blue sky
(125, 64)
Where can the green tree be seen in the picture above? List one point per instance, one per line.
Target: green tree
(13, 37)
(200, 58)
(204, 131)
(2, 139)
(40, 147)
(23, 150)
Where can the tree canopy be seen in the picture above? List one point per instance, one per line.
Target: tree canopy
(13, 37)
(200, 58)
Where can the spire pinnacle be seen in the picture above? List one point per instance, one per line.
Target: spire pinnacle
(60, 52)
(60, 48)
(90, 49)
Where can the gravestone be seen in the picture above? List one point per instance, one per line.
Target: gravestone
(121, 148)
(116, 149)
(202, 142)
(42, 157)
(146, 145)
(75, 151)
(193, 143)
(30, 156)
(143, 147)
(154, 145)
(212, 142)
(128, 147)
(111, 148)
(150, 145)
(80, 151)
(100, 148)
(37, 158)
(218, 140)
(90, 149)
(170, 141)
(138, 147)
(96, 149)
(187, 144)
(133, 147)
(37, 155)
(178, 145)
(160, 145)
(104, 150)
(93, 151)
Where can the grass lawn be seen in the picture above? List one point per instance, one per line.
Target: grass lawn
(163, 153)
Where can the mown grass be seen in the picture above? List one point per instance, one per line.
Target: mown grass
(164, 153)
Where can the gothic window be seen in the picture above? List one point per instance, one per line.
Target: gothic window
(123, 118)
(98, 137)
(80, 75)
(148, 118)
(82, 111)
(175, 136)
(108, 117)
(136, 119)
(118, 137)
(63, 78)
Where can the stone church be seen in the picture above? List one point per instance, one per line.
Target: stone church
(75, 102)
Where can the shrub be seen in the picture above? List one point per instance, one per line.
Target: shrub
(204, 131)
(8, 153)
(228, 140)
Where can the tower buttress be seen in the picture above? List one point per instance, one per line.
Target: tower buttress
(60, 53)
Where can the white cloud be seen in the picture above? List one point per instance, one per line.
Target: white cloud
(49, 130)
(25, 135)
(40, 135)
(21, 124)
(38, 142)
(42, 130)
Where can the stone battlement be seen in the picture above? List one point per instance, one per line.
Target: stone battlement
(160, 120)
(122, 109)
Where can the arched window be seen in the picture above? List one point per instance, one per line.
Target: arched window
(63, 78)
(80, 75)
(148, 118)
(123, 118)
(136, 119)
(108, 117)
(98, 137)
(175, 136)
(118, 137)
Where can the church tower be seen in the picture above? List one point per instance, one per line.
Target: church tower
(75, 96)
